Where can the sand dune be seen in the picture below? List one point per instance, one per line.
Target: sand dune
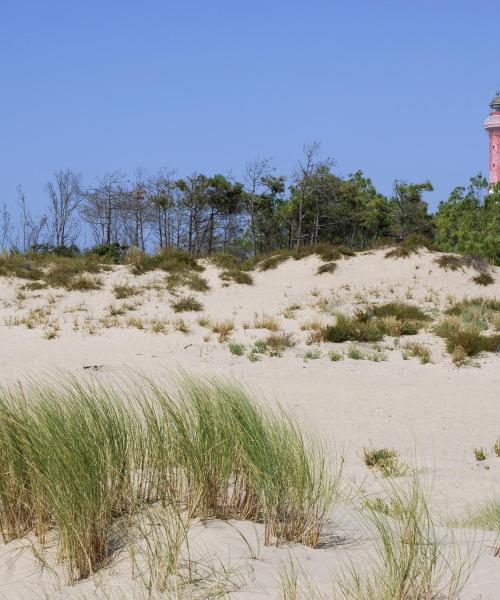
(433, 414)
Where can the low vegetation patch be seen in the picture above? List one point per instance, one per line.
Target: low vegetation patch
(410, 245)
(483, 279)
(352, 329)
(236, 276)
(328, 267)
(171, 260)
(84, 283)
(266, 321)
(415, 349)
(453, 262)
(125, 290)
(385, 460)
(236, 349)
(480, 454)
(186, 304)
(413, 559)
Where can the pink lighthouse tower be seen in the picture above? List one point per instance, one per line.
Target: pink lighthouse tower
(492, 126)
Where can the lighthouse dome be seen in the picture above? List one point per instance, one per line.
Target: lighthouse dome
(495, 103)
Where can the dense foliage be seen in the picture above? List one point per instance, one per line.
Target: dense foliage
(469, 221)
(263, 213)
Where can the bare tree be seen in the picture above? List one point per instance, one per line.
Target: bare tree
(255, 172)
(31, 230)
(5, 227)
(64, 195)
(101, 205)
(302, 179)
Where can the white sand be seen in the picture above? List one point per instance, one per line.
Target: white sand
(433, 414)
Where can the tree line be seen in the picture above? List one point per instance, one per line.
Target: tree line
(263, 212)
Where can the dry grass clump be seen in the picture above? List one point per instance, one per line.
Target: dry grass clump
(136, 322)
(266, 321)
(204, 321)
(496, 448)
(84, 458)
(277, 343)
(415, 349)
(316, 336)
(312, 325)
(186, 304)
(223, 329)
(84, 283)
(181, 326)
(125, 290)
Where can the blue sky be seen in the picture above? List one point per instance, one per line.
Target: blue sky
(397, 89)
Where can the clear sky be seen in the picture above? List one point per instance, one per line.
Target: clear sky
(398, 89)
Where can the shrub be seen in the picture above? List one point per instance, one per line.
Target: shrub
(483, 279)
(326, 268)
(335, 356)
(186, 303)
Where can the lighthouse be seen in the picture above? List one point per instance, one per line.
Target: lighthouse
(492, 126)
